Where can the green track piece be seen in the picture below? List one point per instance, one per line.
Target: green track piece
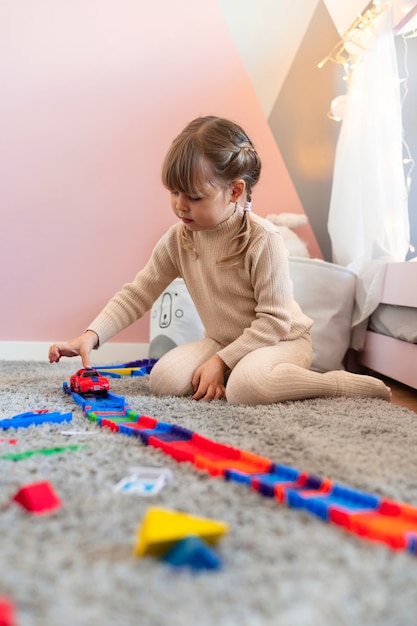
(19, 456)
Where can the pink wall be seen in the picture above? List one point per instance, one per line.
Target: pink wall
(92, 95)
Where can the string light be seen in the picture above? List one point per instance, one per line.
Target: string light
(348, 51)
(408, 159)
(356, 39)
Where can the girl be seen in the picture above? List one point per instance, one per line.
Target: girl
(257, 346)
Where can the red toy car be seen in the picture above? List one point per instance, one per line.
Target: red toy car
(89, 381)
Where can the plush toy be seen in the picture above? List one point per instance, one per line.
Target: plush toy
(284, 223)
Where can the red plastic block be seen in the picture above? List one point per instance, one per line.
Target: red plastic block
(280, 490)
(107, 423)
(174, 449)
(392, 524)
(390, 530)
(211, 456)
(213, 448)
(388, 507)
(7, 613)
(133, 425)
(144, 422)
(246, 462)
(211, 453)
(37, 497)
(147, 422)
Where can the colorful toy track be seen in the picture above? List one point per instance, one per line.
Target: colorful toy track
(133, 368)
(368, 516)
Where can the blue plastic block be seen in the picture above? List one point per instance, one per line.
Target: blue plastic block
(264, 482)
(237, 476)
(183, 432)
(175, 433)
(125, 429)
(78, 399)
(278, 474)
(162, 427)
(23, 420)
(285, 472)
(318, 505)
(145, 433)
(146, 364)
(143, 366)
(109, 374)
(110, 404)
(169, 437)
(355, 497)
(412, 542)
(128, 428)
(140, 372)
(339, 497)
(313, 482)
(193, 552)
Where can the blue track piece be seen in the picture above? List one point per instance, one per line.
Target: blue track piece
(146, 364)
(412, 543)
(142, 371)
(170, 436)
(109, 374)
(278, 474)
(238, 476)
(101, 404)
(175, 433)
(143, 367)
(161, 429)
(285, 472)
(340, 497)
(23, 420)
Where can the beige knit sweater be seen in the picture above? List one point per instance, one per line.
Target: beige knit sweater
(242, 307)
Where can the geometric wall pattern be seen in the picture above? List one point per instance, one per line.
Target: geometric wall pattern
(281, 44)
(92, 95)
(302, 129)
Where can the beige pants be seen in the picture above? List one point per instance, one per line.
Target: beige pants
(264, 376)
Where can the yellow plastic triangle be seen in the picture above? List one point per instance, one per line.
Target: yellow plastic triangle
(162, 528)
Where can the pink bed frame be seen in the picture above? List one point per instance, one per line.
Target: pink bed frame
(391, 357)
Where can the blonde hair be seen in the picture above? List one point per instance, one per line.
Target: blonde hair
(213, 152)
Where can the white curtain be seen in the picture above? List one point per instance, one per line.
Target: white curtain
(368, 217)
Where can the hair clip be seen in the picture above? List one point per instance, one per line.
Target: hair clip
(248, 206)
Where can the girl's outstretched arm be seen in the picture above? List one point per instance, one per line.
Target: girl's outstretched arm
(80, 346)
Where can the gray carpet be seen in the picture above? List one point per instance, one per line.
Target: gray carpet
(75, 567)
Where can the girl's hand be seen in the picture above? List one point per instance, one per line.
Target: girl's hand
(208, 380)
(80, 346)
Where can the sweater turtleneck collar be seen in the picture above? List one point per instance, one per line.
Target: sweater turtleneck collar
(228, 227)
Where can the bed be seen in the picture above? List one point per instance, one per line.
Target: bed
(391, 339)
